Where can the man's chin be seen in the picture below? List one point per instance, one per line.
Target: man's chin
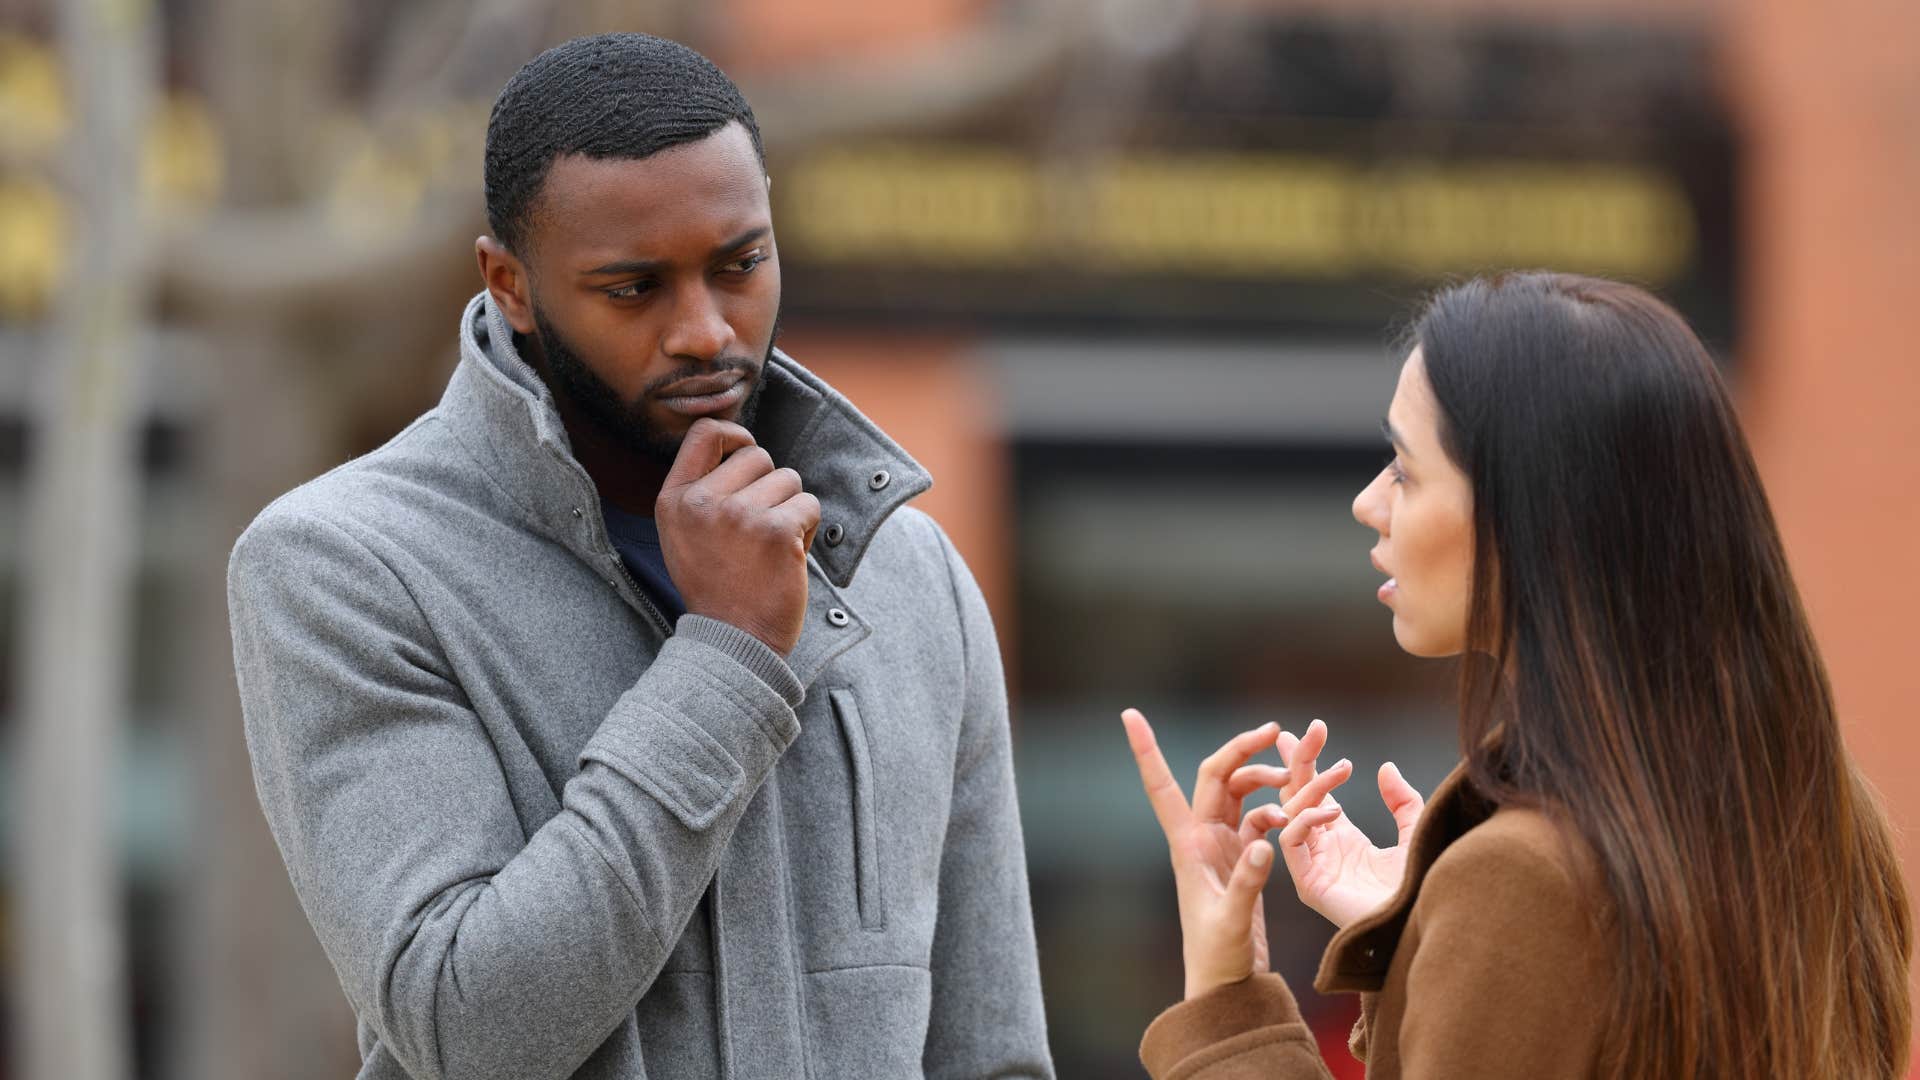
(667, 420)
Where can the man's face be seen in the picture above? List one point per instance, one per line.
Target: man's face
(657, 288)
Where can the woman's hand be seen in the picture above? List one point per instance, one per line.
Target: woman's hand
(1218, 870)
(1336, 870)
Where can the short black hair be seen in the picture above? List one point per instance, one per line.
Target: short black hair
(622, 96)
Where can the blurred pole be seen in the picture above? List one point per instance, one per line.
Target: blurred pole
(82, 518)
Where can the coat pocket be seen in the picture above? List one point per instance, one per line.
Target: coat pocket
(866, 827)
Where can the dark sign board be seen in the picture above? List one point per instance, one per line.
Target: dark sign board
(1298, 182)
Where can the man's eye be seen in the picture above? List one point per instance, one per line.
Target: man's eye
(628, 291)
(745, 265)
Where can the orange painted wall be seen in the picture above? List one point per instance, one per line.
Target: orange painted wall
(938, 403)
(1831, 95)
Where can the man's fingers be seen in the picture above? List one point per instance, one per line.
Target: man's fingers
(707, 443)
(1403, 802)
(1211, 802)
(741, 469)
(1163, 791)
(774, 488)
(1314, 792)
(799, 516)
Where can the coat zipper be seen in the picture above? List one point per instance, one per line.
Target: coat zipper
(647, 607)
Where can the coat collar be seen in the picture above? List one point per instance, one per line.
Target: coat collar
(1358, 956)
(505, 414)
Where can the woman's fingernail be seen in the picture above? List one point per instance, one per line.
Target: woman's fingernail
(1261, 853)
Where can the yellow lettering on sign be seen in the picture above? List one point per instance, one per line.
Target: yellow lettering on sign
(932, 207)
(1232, 215)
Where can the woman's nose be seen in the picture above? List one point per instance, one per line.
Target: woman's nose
(1369, 508)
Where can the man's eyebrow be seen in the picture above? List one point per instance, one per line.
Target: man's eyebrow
(651, 266)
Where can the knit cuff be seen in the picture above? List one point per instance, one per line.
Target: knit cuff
(746, 650)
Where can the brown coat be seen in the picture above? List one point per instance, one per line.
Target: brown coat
(1491, 962)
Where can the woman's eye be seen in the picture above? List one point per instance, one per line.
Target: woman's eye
(1399, 475)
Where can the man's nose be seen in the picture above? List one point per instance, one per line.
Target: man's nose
(699, 330)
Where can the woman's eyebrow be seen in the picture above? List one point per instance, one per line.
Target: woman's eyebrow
(1386, 428)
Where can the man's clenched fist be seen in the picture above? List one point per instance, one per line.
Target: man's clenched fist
(735, 532)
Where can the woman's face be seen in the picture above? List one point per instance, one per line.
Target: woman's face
(1422, 507)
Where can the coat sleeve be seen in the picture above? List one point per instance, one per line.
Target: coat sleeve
(1509, 965)
(1250, 1030)
(987, 1019)
(474, 949)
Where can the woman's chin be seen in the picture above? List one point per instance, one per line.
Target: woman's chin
(1414, 641)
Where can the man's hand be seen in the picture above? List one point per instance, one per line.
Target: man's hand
(734, 531)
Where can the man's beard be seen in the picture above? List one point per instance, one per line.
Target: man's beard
(626, 422)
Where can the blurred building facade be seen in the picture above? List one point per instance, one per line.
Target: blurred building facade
(1124, 274)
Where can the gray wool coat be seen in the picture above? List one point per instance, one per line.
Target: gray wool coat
(542, 834)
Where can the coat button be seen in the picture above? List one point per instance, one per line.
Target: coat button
(837, 617)
(881, 478)
(834, 534)
(577, 515)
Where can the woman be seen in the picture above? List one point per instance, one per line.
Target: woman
(1655, 859)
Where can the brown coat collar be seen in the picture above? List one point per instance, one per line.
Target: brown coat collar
(1358, 956)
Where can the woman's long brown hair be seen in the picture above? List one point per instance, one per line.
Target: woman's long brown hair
(1643, 670)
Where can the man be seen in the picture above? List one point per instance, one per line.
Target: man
(615, 720)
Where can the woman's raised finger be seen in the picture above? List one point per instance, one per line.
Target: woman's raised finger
(1260, 821)
(1314, 792)
(1304, 760)
(1294, 839)
(1163, 791)
(1211, 800)
(1248, 779)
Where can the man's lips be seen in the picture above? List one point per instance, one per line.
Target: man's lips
(701, 385)
(714, 394)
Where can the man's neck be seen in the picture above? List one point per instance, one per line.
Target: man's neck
(623, 476)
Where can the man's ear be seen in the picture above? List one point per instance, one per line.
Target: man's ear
(507, 279)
